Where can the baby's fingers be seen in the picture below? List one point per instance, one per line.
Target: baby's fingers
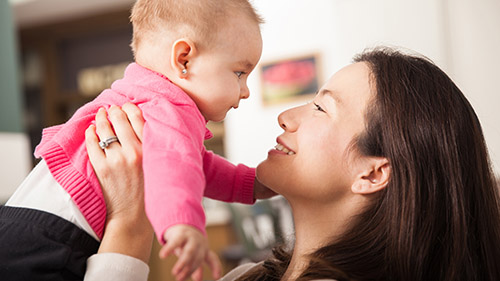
(214, 264)
(170, 246)
(198, 274)
(183, 274)
(190, 259)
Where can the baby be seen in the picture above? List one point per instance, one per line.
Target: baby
(192, 61)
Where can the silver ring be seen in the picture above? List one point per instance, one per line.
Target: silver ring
(105, 143)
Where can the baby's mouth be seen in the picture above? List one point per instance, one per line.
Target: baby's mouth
(280, 147)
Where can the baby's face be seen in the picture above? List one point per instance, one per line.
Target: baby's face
(219, 74)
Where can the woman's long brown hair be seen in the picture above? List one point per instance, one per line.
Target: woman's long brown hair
(439, 217)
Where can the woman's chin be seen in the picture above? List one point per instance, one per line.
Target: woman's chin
(268, 176)
(262, 174)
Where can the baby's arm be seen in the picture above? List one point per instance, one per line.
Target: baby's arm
(174, 185)
(173, 172)
(260, 191)
(232, 183)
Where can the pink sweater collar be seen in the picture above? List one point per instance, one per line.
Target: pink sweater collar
(154, 81)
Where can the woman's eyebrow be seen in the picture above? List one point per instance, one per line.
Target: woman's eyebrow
(324, 92)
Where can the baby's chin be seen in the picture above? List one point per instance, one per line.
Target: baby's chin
(217, 117)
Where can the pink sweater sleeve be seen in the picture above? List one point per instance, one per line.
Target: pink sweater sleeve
(174, 180)
(227, 182)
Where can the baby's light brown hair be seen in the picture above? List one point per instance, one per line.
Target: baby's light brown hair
(199, 20)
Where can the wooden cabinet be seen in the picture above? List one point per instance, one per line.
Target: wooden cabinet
(55, 54)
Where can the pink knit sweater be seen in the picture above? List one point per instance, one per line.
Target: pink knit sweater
(178, 171)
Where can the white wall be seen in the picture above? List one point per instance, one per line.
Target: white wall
(475, 61)
(338, 29)
(15, 162)
(335, 29)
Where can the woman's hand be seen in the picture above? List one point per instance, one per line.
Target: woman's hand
(128, 230)
(126, 154)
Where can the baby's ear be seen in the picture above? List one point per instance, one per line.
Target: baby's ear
(183, 51)
(374, 177)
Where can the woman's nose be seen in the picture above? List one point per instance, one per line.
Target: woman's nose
(288, 119)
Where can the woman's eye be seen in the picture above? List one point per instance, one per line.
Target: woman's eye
(239, 73)
(319, 108)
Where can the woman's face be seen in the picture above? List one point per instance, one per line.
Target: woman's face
(311, 160)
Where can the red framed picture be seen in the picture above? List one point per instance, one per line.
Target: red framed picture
(289, 79)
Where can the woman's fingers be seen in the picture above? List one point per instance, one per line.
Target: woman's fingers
(134, 115)
(132, 146)
(122, 127)
(127, 125)
(126, 152)
(96, 155)
(104, 129)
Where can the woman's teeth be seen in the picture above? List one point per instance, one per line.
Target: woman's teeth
(284, 149)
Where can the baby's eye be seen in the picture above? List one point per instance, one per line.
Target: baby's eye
(318, 107)
(239, 73)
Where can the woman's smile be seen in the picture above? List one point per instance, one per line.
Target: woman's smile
(280, 147)
(283, 148)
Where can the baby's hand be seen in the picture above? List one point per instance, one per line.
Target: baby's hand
(261, 191)
(191, 248)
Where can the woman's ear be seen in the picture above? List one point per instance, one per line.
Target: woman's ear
(183, 51)
(373, 178)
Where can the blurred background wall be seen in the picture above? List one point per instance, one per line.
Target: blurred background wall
(15, 159)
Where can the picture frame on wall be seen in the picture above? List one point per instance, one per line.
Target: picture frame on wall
(290, 79)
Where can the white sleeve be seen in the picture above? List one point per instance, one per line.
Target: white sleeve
(115, 267)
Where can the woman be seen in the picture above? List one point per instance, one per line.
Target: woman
(388, 179)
